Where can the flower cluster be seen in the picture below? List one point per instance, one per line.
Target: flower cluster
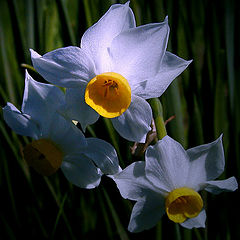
(57, 142)
(117, 67)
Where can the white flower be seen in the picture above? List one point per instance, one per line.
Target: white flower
(116, 68)
(169, 182)
(56, 141)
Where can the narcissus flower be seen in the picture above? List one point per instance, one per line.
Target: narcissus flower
(169, 181)
(58, 143)
(116, 68)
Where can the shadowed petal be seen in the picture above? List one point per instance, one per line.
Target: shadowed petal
(65, 134)
(134, 123)
(20, 123)
(103, 155)
(81, 171)
(77, 109)
(41, 101)
(206, 162)
(196, 222)
(147, 212)
(216, 187)
(132, 182)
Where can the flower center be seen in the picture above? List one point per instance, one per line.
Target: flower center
(109, 94)
(44, 156)
(183, 203)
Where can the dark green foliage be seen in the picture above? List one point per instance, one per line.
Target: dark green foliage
(204, 99)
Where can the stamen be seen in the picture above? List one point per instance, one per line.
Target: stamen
(109, 86)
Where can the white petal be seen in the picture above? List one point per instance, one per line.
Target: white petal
(197, 222)
(167, 164)
(77, 109)
(137, 53)
(65, 67)
(216, 187)
(171, 67)
(147, 212)
(134, 123)
(132, 182)
(66, 135)
(80, 171)
(206, 162)
(20, 123)
(98, 37)
(103, 155)
(41, 101)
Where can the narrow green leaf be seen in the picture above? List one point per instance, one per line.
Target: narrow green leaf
(105, 216)
(229, 36)
(6, 68)
(89, 20)
(8, 230)
(56, 198)
(122, 233)
(67, 30)
(174, 105)
(30, 22)
(177, 232)
(37, 215)
(59, 215)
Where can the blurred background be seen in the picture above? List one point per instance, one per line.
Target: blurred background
(204, 100)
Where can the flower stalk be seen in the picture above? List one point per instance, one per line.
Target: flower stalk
(158, 117)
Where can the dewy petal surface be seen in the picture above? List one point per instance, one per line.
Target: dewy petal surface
(137, 53)
(167, 164)
(134, 123)
(216, 187)
(206, 162)
(196, 222)
(41, 101)
(81, 171)
(20, 123)
(77, 109)
(98, 37)
(170, 68)
(103, 155)
(65, 67)
(146, 212)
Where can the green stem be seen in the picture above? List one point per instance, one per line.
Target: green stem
(158, 117)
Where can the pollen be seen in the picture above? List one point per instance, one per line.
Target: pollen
(183, 203)
(109, 94)
(43, 156)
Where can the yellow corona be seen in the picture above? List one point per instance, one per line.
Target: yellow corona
(183, 203)
(109, 94)
(44, 156)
